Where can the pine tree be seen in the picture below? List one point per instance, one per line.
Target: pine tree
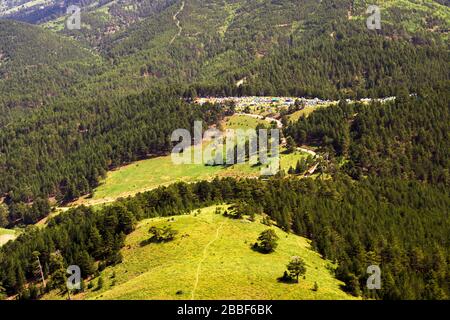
(267, 241)
(100, 283)
(57, 271)
(86, 264)
(316, 286)
(290, 144)
(296, 268)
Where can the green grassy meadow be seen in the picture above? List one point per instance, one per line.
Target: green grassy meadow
(243, 122)
(211, 258)
(306, 112)
(151, 173)
(6, 235)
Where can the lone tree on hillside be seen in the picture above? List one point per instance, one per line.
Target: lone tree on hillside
(296, 267)
(267, 241)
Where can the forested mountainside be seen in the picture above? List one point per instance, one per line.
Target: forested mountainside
(124, 12)
(76, 103)
(266, 43)
(276, 47)
(406, 138)
(69, 148)
(37, 65)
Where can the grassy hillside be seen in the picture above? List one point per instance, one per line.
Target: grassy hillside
(6, 235)
(243, 122)
(211, 258)
(221, 42)
(151, 173)
(342, 218)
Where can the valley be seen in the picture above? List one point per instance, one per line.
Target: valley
(152, 173)
(88, 118)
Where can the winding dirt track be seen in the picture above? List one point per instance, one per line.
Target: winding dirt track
(177, 22)
(313, 153)
(205, 251)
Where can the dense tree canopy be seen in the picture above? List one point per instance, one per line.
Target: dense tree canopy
(406, 138)
(64, 152)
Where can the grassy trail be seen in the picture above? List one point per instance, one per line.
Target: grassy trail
(205, 251)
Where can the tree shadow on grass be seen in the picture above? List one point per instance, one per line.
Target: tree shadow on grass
(255, 247)
(145, 242)
(287, 279)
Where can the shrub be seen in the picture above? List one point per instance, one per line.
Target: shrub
(164, 234)
(267, 241)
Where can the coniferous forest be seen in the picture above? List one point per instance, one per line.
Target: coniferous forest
(76, 105)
